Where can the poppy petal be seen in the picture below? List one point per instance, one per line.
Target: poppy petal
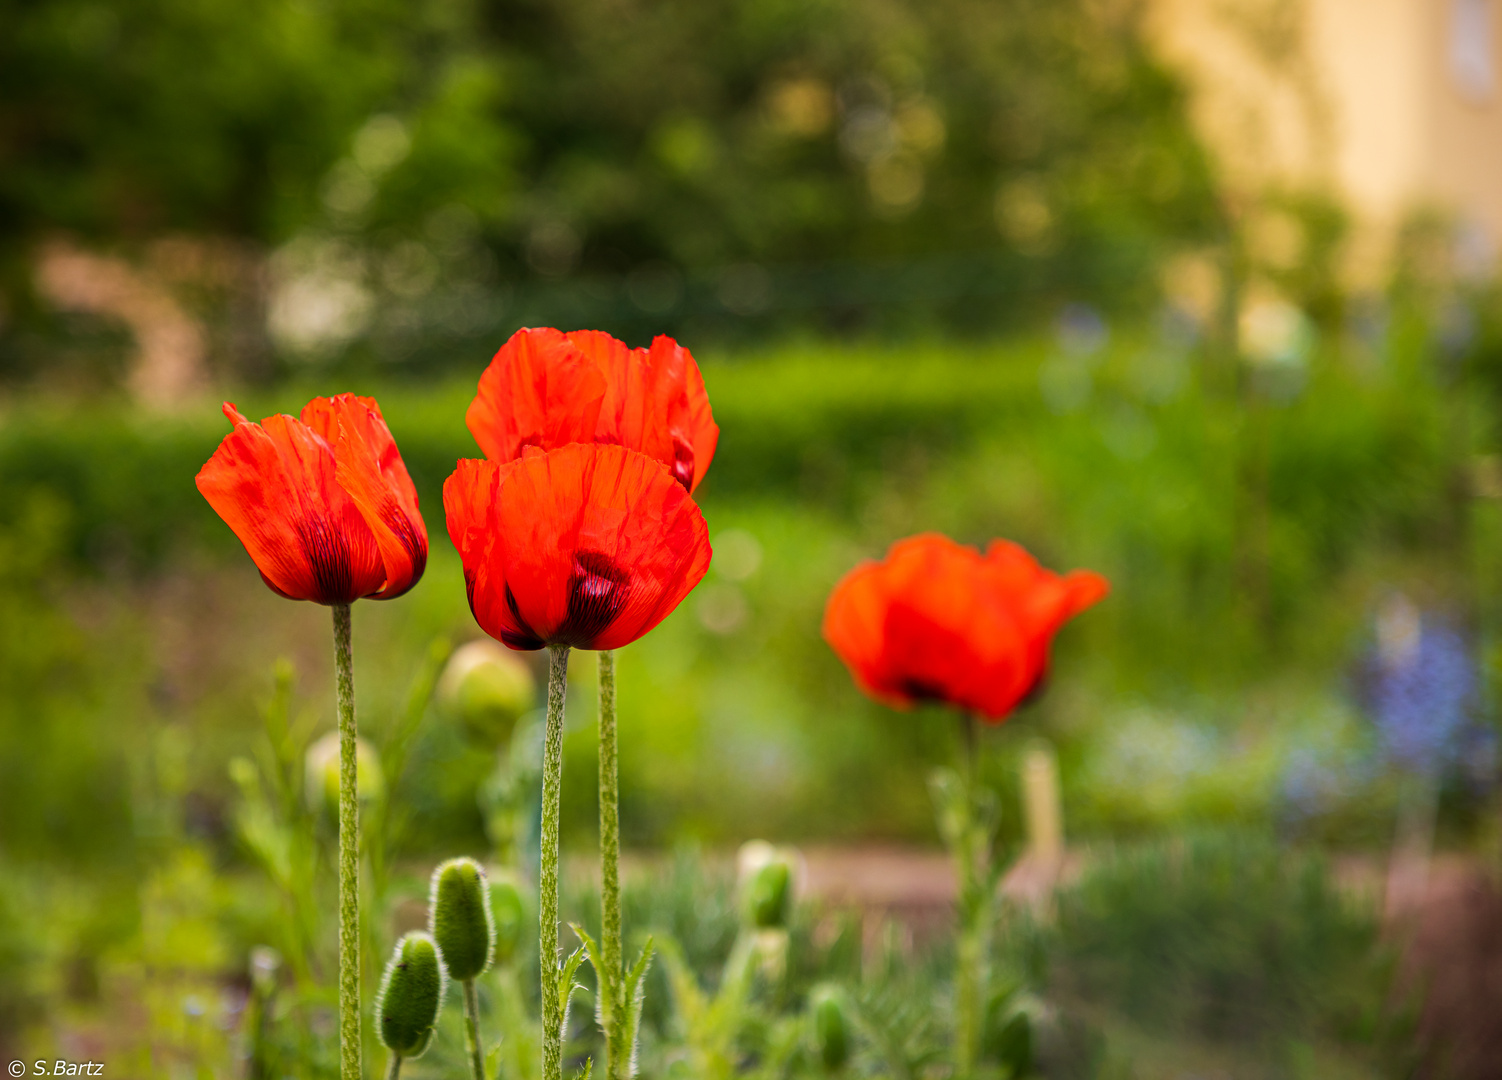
(539, 390)
(273, 483)
(588, 545)
(469, 502)
(371, 469)
(691, 421)
(935, 620)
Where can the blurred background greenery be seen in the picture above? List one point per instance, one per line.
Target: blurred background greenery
(957, 265)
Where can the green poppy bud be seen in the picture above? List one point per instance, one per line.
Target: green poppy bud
(767, 877)
(488, 688)
(831, 1035)
(459, 917)
(411, 992)
(510, 918)
(767, 896)
(321, 774)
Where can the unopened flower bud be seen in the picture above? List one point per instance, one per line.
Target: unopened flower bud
(321, 774)
(487, 688)
(831, 1035)
(768, 897)
(410, 995)
(460, 919)
(510, 918)
(766, 874)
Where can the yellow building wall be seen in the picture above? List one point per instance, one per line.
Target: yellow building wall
(1359, 98)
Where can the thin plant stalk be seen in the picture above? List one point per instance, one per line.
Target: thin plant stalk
(394, 1070)
(974, 945)
(547, 940)
(614, 1012)
(349, 854)
(472, 1029)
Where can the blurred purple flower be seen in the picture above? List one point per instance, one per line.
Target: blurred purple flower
(1422, 694)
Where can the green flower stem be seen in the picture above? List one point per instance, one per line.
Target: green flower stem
(547, 940)
(614, 1012)
(349, 855)
(972, 853)
(394, 1070)
(472, 1029)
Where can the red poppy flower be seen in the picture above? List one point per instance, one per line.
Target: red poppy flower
(937, 621)
(547, 389)
(322, 503)
(588, 545)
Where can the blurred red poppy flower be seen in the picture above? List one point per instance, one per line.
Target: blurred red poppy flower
(588, 545)
(322, 502)
(547, 389)
(937, 621)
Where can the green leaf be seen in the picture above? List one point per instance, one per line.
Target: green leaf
(636, 996)
(566, 983)
(605, 999)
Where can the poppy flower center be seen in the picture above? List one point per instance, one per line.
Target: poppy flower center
(597, 592)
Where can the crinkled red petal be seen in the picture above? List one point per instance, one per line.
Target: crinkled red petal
(587, 545)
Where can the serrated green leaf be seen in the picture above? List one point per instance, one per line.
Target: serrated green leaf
(636, 996)
(604, 998)
(567, 985)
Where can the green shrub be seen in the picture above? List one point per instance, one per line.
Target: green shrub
(1233, 939)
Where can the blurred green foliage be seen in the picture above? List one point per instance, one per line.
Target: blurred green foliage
(124, 121)
(722, 167)
(1248, 540)
(1248, 534)
(1233, 939)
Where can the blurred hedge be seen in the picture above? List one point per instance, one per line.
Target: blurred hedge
(1149, 474)
(1248, 535)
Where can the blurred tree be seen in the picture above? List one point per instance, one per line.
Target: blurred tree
(707, 132)
(414, 150)
(123, 121)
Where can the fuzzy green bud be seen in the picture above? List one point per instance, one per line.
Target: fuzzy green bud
(767, 896)
(488, 688)
(460, 919)
(410, 995)
(510, 918)
(321, 774)
(831, 1034)
(766, 883)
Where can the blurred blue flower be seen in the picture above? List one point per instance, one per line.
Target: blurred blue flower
(1422, 694)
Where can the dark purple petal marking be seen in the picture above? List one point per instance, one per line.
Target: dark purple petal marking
(597, 592)
(683, 463)
(922, 690)
(524, 637)
(328, 554)
(417, 549)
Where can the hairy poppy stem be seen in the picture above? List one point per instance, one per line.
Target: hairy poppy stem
(472, 1029)
(614, 1012)
(349, 854)
(394, 1070)
(547, 940)
(974, 944)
